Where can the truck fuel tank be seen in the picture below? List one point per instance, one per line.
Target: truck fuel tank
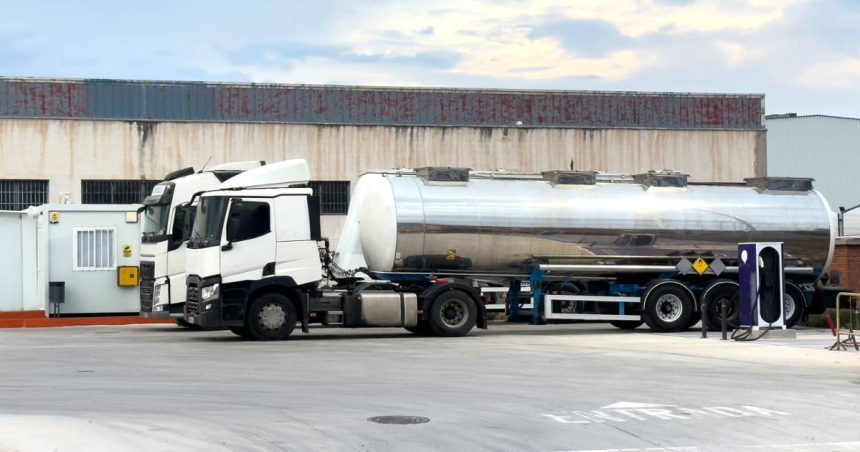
(380, 308)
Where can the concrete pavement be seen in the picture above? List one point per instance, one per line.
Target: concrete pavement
(513, 387)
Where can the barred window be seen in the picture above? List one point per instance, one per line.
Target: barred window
(94, 249)
(98, 191)
(18, 194)
(333, 194)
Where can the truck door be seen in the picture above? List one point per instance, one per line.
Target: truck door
(248, 243)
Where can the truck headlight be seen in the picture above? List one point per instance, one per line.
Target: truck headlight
(210, 292)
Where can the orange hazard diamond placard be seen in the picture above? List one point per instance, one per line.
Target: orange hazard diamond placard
(700, 266)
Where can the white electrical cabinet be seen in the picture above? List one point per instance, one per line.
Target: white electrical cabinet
(91, 251)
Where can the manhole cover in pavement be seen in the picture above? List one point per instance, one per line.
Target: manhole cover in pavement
(399, 420)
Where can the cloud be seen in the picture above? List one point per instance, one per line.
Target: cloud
(586, 38)
(801, 53)
(840, 73)
(735, 53)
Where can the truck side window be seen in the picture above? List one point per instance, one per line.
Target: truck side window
(178, 231)
(255, 220)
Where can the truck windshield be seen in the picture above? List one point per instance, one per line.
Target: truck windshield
(155, 223)
(208, 222)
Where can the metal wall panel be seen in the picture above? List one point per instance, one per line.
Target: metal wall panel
(303, 104)
(11, 266)
(825, 148)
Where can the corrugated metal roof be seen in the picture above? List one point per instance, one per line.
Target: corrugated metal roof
(825, 148)
(218, 102)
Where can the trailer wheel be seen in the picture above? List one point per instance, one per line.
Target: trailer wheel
(668, 308)
(793, 303)
(694, 319)
(714, 295)
(626, 324)
(453, 313)
(271, 317)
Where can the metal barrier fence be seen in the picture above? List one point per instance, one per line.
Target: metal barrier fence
(853, 322)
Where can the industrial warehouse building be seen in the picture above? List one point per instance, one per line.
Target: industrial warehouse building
(825, 148)
(105, 141)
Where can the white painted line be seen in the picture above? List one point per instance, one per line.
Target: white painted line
(844, 445)
(632, 412)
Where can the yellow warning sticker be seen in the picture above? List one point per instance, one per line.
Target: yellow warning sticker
(126, 251)
(452, 255)
(700, 266)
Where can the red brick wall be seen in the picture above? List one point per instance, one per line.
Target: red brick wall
(846, 260)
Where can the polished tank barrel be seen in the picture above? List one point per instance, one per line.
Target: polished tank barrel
(489, 224)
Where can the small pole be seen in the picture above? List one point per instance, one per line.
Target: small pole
(840, 224)
(724, 321)
(704, 310)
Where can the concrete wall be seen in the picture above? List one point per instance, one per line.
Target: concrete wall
(66, 151)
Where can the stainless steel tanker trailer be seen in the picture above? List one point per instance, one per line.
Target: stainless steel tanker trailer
(600, 240)
(418, 245)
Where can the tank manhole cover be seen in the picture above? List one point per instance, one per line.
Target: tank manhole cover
(399, 420)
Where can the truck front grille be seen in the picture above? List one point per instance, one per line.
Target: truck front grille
(147, 270)
(192, 299)
(146, 287)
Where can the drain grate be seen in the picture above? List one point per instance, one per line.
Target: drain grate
(399, 420)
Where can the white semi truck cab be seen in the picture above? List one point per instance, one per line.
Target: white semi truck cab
(256, 265)
(166, 212)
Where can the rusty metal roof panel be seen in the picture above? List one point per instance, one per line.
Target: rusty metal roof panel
(222, 102)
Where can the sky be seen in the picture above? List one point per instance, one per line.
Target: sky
(804, 55)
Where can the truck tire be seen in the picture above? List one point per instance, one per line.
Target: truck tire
(694, 319)
(452, 313)
(241, 331)
(422, 329)
(794, 304)
(626, 324)
(271, 317)
(668, 308)
(715, 293)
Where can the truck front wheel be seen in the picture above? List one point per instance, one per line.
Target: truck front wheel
(453, 313)
(421, 329)
(241, 331)
(271, 317)
(668, 308)
(626, 324)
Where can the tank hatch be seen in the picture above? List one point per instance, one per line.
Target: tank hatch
(661, 179)
(570, 177)
(443, 174)
(780, 183)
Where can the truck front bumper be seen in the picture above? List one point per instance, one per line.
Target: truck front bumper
(205, 313)
(155, 315)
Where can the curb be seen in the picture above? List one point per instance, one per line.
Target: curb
(37, 319)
